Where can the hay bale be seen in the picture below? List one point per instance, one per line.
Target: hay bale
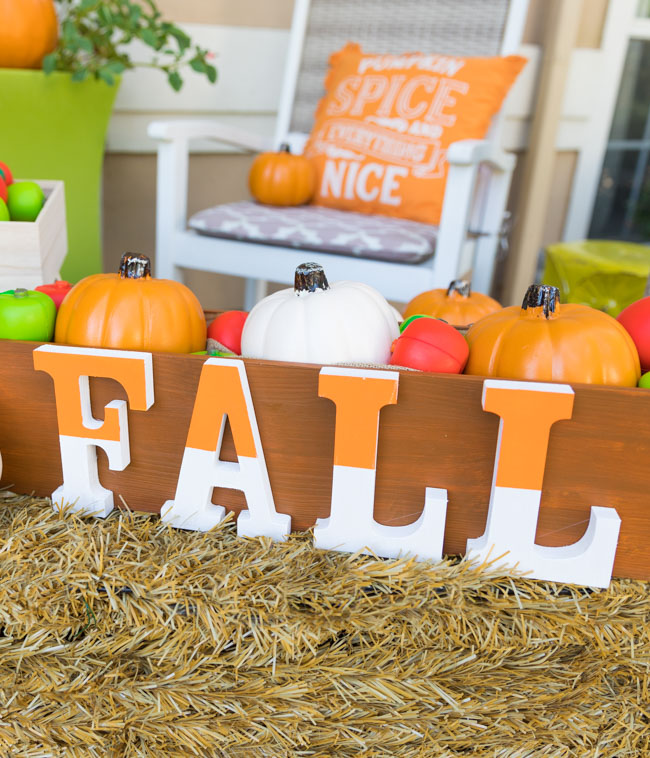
(125, 637)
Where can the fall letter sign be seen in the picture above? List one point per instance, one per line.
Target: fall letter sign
(526, 410)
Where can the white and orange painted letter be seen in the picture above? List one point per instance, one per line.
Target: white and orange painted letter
(223, 392)
(359, 395)
(527, 411)
(79, 433)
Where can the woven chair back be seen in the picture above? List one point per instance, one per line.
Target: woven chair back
(449, 27)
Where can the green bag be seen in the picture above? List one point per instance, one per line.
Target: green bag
(605, 274)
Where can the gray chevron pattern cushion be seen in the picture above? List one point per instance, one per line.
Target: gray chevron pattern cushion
(311, 227)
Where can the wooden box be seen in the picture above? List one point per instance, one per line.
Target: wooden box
(436, 435)
(31, 252)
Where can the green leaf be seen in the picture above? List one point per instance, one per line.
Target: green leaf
(181, 38)
(175, 80)
(49, 63)
(212, 74)
(149, 38)
(106, 76)
(79, 75)
(85, 44)
(199, 65)
(69, 30)
(115, 67)
(105, 16)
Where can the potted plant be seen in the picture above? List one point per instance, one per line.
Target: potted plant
(60, 66)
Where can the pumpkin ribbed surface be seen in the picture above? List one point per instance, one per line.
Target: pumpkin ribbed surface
(567, 343)
(28, 32)
(457, 305)
(345, 322)
(282, 178)
(106, 310)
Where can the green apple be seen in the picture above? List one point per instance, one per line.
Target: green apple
(4, 211)
(26, 315)
(25, 201)
(644, 381)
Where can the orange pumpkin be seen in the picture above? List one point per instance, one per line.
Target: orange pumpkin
(457, 305)
(546, 341)
(28, 32)
(132, 311)
(282, 178)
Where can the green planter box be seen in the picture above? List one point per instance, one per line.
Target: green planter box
(605, 274)
(54, 128)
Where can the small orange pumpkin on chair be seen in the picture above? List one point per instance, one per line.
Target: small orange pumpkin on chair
(282, 178)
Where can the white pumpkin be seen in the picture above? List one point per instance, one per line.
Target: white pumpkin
(314, 322)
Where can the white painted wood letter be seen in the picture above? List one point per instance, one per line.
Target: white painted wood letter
(359, 395)
(223, 392)
(79, 432)
(527, 410)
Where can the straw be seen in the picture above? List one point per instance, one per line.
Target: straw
(124, 637)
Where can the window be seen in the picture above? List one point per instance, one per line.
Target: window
(622, 207)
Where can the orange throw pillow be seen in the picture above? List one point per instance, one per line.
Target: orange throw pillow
(381, 132)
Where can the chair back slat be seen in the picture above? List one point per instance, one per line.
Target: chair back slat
(449, 27)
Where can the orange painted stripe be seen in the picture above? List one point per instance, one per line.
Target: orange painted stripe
(526, 420)
(220, 393)
(66, 370)
(358, 402)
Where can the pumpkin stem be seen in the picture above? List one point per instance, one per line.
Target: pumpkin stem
(284, 148)
(542, 295)
(135, 266)
(462, 286)
(309, 278)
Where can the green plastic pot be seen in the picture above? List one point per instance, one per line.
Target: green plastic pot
(54, 128)
(605, 274)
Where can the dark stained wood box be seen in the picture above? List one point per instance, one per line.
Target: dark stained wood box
(437, 435)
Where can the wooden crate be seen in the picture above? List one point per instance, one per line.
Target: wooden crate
(31, 252)
(437, 435)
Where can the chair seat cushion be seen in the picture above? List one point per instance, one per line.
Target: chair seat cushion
(311, 227)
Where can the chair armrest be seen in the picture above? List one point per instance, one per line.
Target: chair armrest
(190, 129)
(474, 151)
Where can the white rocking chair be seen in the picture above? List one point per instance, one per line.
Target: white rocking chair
(474, 202)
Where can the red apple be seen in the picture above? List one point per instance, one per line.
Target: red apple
(227, 328)
(5, 173)
(636, 321)
(429, 344)
(57, 290)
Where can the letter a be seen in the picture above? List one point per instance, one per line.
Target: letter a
(527, 411)
(359, 395)
(79, 433)
(224, 392)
